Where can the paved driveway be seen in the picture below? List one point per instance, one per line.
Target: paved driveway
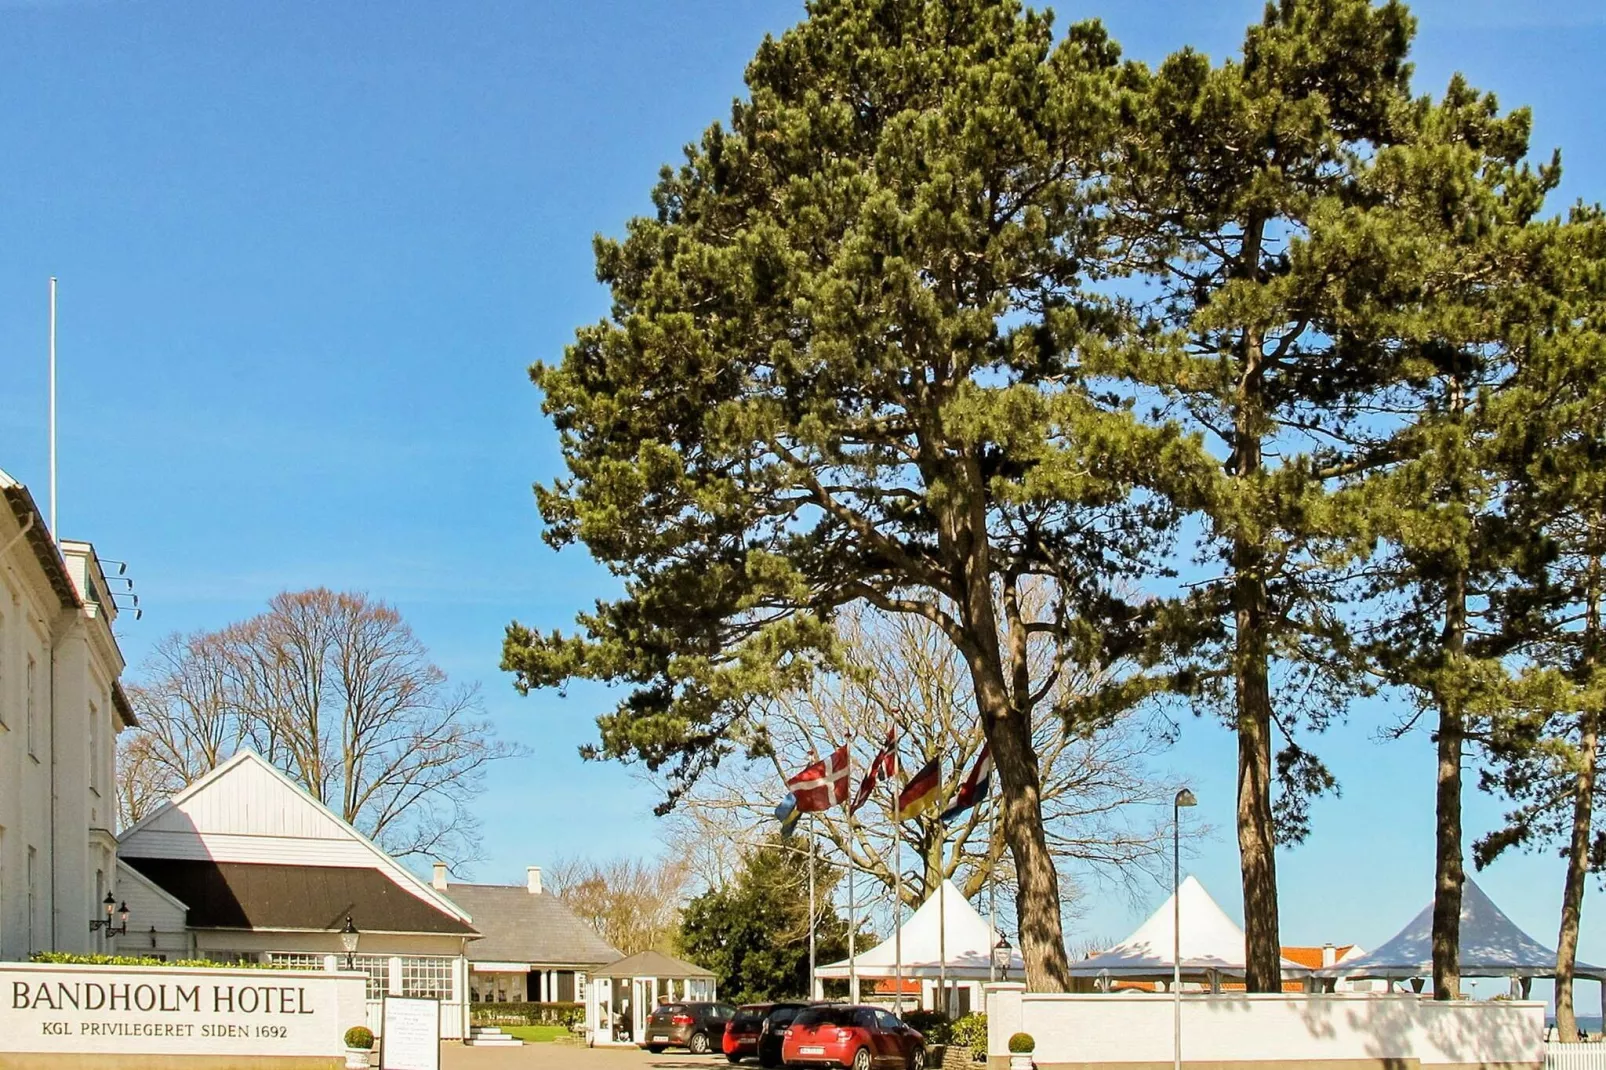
(566, 1056)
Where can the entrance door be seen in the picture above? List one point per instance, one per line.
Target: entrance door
(601, 1013)
(642, 997)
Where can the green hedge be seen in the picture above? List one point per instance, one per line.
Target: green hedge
(67, 958)
(569, 1015)
(970, 1032)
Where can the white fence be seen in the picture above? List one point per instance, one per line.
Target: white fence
(1575, 1056)
(1285, 1029)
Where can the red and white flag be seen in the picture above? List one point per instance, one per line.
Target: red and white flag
(822, 784)
(884, 766)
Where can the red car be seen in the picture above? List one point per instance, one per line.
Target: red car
(756, 1032)
(862, 1038)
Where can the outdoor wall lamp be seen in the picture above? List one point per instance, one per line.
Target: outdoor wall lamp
(1001, 956)
(348, 940)
(106, 923)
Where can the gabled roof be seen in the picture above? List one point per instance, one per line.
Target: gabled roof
(40, 540)
(1212, 943)
(293, 798)
(1311, 957)
(652, 964)
(1491, 946)
(945, 922)
(518, 926)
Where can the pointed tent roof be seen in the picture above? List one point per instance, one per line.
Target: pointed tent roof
(1491, 946)
(1211, 942)
(945, 921)
(652, 964)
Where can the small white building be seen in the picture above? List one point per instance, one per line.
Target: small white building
(245, 865)
(61, 707)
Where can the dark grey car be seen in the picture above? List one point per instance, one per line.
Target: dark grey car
(697, 1027)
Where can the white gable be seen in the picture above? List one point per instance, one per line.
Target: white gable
(245, 810)
(945, 934)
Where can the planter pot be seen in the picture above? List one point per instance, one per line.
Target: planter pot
(1020, 1062)
(356, 1059)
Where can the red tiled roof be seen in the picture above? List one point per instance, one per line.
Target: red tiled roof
(1311, 957)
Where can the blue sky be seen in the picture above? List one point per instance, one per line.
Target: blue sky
(306, 256)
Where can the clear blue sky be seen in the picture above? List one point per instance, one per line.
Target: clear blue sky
(307, 251)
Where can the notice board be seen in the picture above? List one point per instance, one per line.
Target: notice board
(410, 1038)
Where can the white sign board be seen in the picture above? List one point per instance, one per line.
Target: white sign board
(156, 1010)
(411, 1035)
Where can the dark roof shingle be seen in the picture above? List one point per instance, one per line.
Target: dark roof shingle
(518, 926)
(250, 895)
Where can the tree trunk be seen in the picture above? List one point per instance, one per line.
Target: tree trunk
(1572, 896)
(1449, 871)
(1256, 832)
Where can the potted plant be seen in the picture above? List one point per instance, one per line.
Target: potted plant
(359, 1042)
(1021, 1046)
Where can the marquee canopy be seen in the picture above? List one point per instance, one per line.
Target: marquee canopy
(1212, 944)
(968, 942)
(1491, 946)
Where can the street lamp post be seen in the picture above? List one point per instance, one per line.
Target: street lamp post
(1184, 798)
(348, 940)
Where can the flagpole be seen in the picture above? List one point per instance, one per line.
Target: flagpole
(853, 903)
(811, 907)
(897, 897)
(992, 899)
(942, 925)
(54, 531)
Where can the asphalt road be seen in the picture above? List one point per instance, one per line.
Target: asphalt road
(564, 1056)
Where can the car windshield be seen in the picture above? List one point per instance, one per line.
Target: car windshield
(783, 1015)
(669, 1010)
(825, 1016)
(749, 1016)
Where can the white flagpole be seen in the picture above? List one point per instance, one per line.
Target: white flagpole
(992, 900)
(811, 907)
(53, 529)
(897, 884)
(853, 903)
(942, 924)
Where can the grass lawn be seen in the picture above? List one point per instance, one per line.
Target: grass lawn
(536, 1033)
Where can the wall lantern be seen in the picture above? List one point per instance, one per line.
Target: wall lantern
(1001, 956)
(106, 923)
(348, 940)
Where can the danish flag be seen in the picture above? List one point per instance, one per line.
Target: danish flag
(822, 784)
(884, 766)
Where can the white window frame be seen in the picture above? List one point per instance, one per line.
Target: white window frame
(32, 711)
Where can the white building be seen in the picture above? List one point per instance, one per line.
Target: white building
(61, 707)
(245, 865)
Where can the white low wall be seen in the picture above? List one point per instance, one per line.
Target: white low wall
(1356, 1028)
(234, 1014)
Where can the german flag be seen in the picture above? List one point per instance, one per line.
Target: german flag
(920, 794)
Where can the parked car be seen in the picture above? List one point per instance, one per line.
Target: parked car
(756, 1031)
(697, 1027)
(861, 1038)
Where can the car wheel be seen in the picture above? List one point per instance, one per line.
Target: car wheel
(734, 1058)
(917, 1058)
(699, 1044)
(861, 1059)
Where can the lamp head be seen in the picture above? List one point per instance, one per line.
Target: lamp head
(348, 936)
(122, 913)
(1185, 798)
(110, 904)
(1001, 952)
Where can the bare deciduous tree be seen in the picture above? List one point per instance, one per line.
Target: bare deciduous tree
(634, 904)
(337, 691)
(1101, 798)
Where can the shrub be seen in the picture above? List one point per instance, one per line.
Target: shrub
(1022, 1044)
(569, 1015)
(970, 1032)
(67, 958)
(359, 1036)
(933, 1025)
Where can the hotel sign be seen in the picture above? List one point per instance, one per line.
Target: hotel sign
(158, 1010)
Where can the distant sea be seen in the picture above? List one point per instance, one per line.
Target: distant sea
(1586, 1023)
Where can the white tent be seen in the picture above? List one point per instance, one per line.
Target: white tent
(968, 941)
(1491, 946)
(1212, 944)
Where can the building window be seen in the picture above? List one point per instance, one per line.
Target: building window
(296, 960)
(32, 708)
(33, 897)
(427, 978)
(94, 748)
(377, 967)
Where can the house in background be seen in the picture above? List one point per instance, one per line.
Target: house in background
(245, 865)
(61, 707)
(533, 948)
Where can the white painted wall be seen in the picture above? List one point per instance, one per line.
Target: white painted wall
(1137, 1028)
(57, 749)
